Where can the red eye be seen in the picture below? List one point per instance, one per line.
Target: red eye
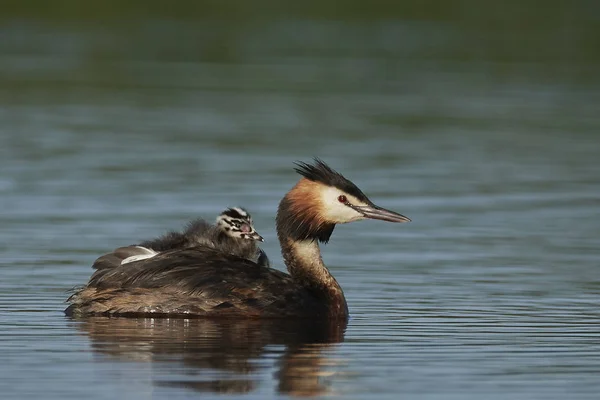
(342, 198)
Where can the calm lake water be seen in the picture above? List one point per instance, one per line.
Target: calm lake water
(480, 122)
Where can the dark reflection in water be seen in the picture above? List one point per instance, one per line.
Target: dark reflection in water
(222, 355)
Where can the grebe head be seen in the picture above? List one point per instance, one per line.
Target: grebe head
(237, 223)
(323, 198)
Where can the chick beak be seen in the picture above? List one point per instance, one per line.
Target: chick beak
(255, 236)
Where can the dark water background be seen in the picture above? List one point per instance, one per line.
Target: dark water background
(479, 120)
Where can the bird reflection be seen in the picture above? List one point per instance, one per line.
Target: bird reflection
(224, 356)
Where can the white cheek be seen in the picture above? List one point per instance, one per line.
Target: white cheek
(338, 212)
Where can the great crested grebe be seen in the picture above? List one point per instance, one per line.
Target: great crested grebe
(204, 282)
(233, 233)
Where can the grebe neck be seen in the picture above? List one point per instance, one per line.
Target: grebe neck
(305, 265)
(299, 235)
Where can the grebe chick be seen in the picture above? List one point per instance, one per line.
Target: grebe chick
(233, 233)
(204, 282)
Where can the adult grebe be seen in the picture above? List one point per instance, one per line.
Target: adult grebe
(233, 233)
(204, 282)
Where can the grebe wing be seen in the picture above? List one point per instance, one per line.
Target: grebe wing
(190, 270)
(123, 255)
(199, 281)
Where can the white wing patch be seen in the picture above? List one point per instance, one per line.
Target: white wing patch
(145, 253)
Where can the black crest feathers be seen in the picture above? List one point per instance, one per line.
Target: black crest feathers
(321, 172)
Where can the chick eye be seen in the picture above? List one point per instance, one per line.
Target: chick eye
(342, 198)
